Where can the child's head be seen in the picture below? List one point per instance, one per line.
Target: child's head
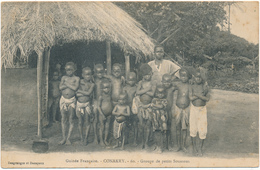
(87, 73)
(184, 75)
(198, 78)
(159, 52)
(122, 98)
(99, 70)
(131, 79)
(70, 68)
(55, 75)
(146, 72)
(106, 86)
(58, 66)
(116, 70)
(160, 91)
(167, 80)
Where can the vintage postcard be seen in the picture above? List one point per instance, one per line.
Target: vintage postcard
(129, 84)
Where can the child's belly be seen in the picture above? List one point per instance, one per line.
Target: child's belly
(83, 99)
(68, 93)
(120, 119)
(198, 102)
(183, 102)
(107, 108)
(117, 89)
(145, 99)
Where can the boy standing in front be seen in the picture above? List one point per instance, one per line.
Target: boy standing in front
(182, 108)
(198, 113)
(69, 85)
(145, 92)
(84, 108)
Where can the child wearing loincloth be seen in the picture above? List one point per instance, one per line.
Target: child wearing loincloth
(198, 113)
(84, 108)
(145, 92)
(121, 112)
(99, 77)
(159, 117)
(182, 108)
(105, 108)
(69, 85)
(130, 89)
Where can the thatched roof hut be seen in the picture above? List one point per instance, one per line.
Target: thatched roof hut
(37, 26)
(33, 26)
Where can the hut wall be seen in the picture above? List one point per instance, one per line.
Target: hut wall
(19, 97)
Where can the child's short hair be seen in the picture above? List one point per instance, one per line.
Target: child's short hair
(158, 46)
(86, 68)
(71, 64)
(117, 65)
(131, 74)
(185, 70)
(123, 95)
(98, 66)
(105, 81)
(145, 69)
(166, 75)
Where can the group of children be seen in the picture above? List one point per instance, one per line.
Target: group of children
(149, 109)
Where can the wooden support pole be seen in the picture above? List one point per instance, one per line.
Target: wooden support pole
(127, 64)
(39, 91)
(46, 64)
(108, 51)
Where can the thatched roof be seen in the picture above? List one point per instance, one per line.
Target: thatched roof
(36, 25)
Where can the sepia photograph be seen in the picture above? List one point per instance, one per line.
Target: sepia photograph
(129, 84)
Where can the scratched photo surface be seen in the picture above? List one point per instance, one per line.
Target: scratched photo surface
(129, 84)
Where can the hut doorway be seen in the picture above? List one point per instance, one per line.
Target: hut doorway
(84, 54)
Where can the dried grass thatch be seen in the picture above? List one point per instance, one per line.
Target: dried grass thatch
(36, 25)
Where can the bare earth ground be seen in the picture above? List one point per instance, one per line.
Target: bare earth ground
(232, 122)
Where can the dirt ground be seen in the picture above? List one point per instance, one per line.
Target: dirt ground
(232, 122)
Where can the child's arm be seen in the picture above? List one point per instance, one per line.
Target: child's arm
(62, 86)
(123, 80)
(191, 95)
(127, 111)
(99, 107)
(156, 106)
(139, 90)
(87, 93)
(151, 91)
(114, 112)
(73, 86)
(205, 98)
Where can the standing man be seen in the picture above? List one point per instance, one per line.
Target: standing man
(161, 66)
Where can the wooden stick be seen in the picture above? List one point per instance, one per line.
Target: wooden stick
(108, 51)
(127, 65)
(39, 91)
(46, 71)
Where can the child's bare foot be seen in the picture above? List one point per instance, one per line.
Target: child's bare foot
(146, 146)
(62, 142)
(200, 153)
(68, 142)
(184, 150)
(96, 141)
(179, 149)
(102, 143)
(116, 146)
(106, 143)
